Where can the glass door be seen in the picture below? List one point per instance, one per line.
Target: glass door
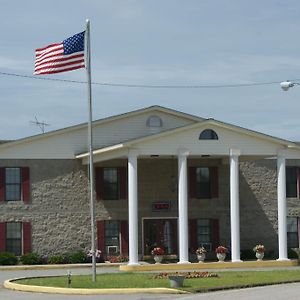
(162, 233)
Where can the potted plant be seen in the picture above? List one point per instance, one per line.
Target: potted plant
(201, 253)
(158, 253)
(259, 251)
(221, 252)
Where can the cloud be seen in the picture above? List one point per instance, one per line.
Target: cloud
(11, 63)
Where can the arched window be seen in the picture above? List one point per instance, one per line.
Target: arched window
(154, 122)
(208, 134)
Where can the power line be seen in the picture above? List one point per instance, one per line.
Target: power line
(148, 86)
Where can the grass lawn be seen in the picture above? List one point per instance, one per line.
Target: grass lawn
(146, 280)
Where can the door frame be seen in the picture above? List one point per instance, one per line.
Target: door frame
(155, 218)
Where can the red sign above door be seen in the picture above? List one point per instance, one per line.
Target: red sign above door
(158, 206)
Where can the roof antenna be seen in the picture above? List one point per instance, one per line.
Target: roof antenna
(41, 124)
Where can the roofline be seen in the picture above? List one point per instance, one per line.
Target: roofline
(102, 121)
(101, 150)
(256, 133)
(235, 128)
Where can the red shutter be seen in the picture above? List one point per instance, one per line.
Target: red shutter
(123, 182)
(2, 236)
(25, 185)
(214, 182)
(215, 233)
(192, 182)
(26, 237)
(193, 235)
(298, 182)
(298, 219)
(99, 183)
(124, 237)
(2, 184)
(101, 236)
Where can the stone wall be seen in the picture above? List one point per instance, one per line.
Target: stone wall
(59, 210)
(258, 204)
(59, 207)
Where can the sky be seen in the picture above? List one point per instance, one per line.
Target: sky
(155, 42)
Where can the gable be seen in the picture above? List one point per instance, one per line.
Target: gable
(188, 138)
(66, 144)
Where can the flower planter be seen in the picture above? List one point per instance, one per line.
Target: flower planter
(158, 259)
(259, 255)
(221, 257)
(176, 281)
(201, 257)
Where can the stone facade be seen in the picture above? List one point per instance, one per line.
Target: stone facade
(60, 215)
(59, 206)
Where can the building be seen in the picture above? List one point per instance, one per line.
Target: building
(162, 177)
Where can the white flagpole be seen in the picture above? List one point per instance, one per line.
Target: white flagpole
(90, 142)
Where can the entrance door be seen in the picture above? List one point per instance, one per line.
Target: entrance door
(160, 232)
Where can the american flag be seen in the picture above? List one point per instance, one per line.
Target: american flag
(62, 57)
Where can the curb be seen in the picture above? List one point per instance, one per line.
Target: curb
(210, 265)
(57, 266)
(9, 284)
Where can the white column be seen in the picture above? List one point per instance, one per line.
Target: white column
(235, 205)
(282, 211)
(132, 208)
(183, 207)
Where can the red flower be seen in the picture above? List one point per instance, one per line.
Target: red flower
(221, 249)
(158, 251)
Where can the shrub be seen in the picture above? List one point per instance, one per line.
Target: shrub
(77, 257)
(8, 259)
(247, 254)
(30, 259)
(56, 259)
(292, 254)
(270, 254)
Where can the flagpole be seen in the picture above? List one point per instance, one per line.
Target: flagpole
(90, 142)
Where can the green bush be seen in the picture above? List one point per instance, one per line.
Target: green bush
(77, 257)
(270, 254)
(30, 259)
(56, 259)
(292, 254)
(247, 254)
(8, 259)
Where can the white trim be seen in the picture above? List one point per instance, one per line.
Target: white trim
(102, 150)
(135, 142)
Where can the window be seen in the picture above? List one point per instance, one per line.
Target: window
(203, 185)
(111, 183)
(203, 182)
(208, 134)
(14, 238)
(292, 182)
(12, 184)
(204, 234)
(112, 237)
(292, 232)
(154, 121)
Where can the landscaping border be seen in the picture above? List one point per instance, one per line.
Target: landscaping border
(10, 284)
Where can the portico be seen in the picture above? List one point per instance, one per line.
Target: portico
(233, 145)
